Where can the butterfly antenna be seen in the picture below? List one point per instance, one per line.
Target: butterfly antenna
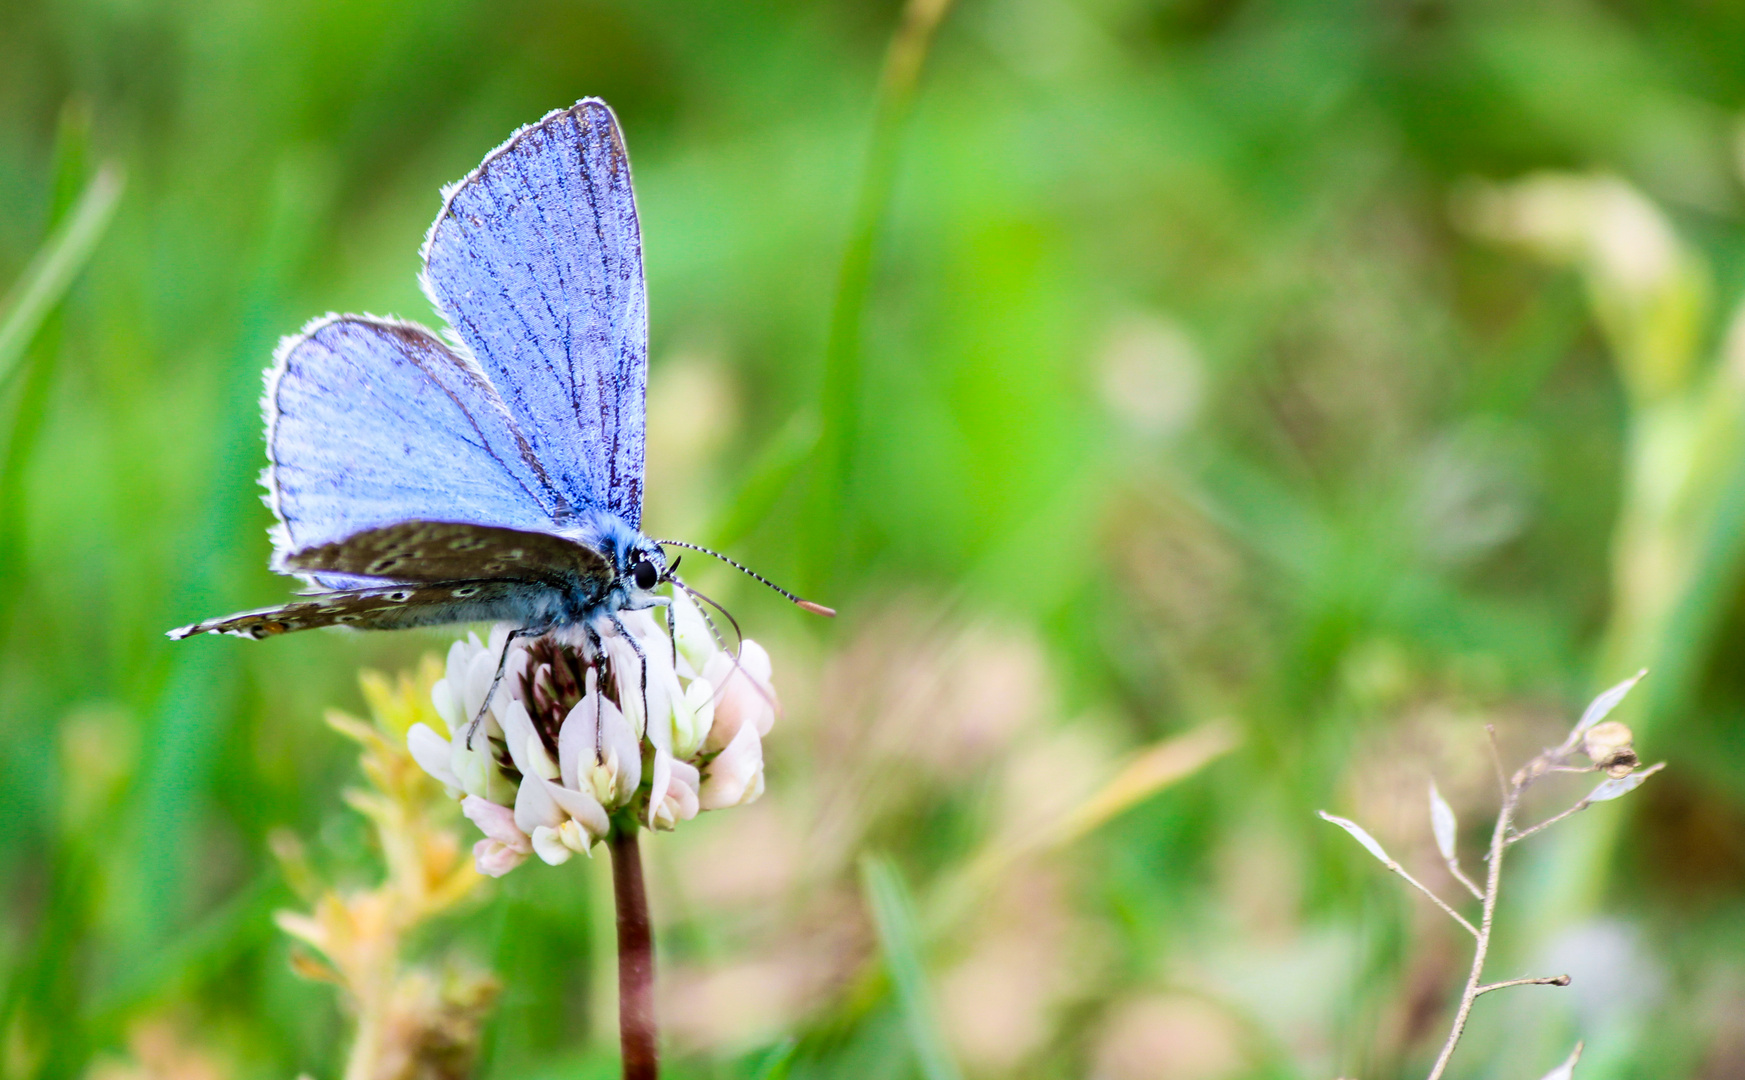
(738, 634)
(732, 654)
(816, 609)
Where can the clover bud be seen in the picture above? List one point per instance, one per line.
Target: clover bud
(1607, 745)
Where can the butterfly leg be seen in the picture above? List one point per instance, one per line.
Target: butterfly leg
(672, 636)
(618, 625)
(502, 663)
(599, 650)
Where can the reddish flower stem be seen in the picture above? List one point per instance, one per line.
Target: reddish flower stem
(636, 1021)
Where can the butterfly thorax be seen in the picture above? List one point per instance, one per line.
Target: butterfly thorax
(634, 566)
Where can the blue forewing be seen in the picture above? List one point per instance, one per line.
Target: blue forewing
(536, 261)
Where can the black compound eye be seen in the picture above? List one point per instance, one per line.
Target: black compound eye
(645, 575)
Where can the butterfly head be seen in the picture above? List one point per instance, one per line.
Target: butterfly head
(638, 563)
(642, 568)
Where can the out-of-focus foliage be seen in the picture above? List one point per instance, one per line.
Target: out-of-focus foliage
(1347, 374)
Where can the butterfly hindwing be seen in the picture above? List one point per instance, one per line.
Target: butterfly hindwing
(389, 607)
(436, 551)
(536, 261)
(371, 422)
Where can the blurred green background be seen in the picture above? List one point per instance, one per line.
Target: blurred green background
(1354, 373)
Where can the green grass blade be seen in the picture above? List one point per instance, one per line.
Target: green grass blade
(839, 416)
(777, 1061)
(894, 915)
(52, 271)
(767, 479)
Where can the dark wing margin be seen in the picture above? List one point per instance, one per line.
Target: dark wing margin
(536, 262)
(391, 607)
(438, 551)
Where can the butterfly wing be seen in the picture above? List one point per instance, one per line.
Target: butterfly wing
(536, 261)
(439, 551)
(371, 422)
(388, 607)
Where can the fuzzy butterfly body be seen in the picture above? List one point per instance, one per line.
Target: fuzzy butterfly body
(495, 473)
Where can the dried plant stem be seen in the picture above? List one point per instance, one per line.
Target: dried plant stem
(1460, 876)
(636, 1020)
(1437, 900)
(1613, 748)
(1500, 841)
(1547, 980)
(1550, 821)
(1576, 809)
(1499, 838)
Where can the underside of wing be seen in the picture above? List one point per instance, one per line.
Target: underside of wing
(436, 551)
(536, 261)
(393, 607)
(371, 422)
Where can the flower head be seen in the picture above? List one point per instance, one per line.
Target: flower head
(645, 729)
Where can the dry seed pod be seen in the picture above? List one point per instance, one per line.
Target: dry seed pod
(1607, 745)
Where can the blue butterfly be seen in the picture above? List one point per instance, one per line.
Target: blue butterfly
(494, 472)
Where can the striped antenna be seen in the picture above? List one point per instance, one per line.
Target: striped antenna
(816, 609)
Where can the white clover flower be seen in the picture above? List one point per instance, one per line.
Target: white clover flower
(474, 770)
(650, 732)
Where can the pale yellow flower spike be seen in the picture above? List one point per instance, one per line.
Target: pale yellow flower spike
(405, 1014)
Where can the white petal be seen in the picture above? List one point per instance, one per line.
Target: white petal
(627, 673)
(480, 669)
(460, 658)
(618, 739)
(729, 778)
(660, 729)
(754, 661)
(663, 775)
(534, 806)
(431, 752)
(548, 845)
(447, 706)
(666, 704)
(470, 766)
(643, 626)
(700, 700)
(577, 738)
(517, 731)
(496, 821)
(682, 792)
(499, 639)
(582, 808)
(494, 859)
(739, 701)
(542, 762)
(576, 838)
(696, 643)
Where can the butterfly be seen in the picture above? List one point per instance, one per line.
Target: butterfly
(493, 472)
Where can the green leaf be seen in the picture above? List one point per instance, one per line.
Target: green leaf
(894, 915)
(52, 271)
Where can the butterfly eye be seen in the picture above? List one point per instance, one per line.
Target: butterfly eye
(647, 577)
